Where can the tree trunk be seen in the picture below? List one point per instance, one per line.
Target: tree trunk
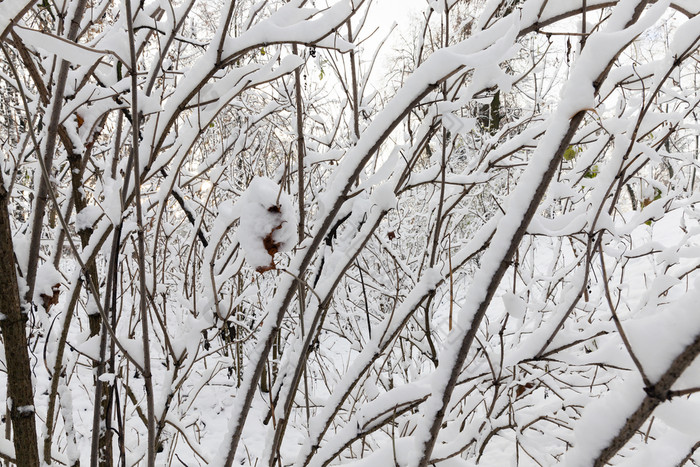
(13, 328)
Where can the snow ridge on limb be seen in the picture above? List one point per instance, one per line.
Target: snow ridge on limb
(631, 411)
(577, 97)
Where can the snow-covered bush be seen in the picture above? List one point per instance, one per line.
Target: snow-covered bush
(247, 233)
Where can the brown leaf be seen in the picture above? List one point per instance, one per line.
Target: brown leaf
(521, 388)
(49, 300)
(271, 246)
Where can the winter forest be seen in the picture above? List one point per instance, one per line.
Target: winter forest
(292, 233)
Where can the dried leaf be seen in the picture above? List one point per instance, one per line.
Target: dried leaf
(49, 301)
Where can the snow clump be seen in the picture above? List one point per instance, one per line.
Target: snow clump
(267, 223)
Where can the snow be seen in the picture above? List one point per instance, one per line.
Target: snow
(87, 217)
(47, 278)
(72, 453)
(669, 448)
(91, 348)
(659, 338)
(383, 196)
(266, 212)
(515, 306)
(682, 415)
(7, 448)
(688, 5)
(603, 418)
(134, 348)
(8, 10)
(67, 50)
(107, 378)
(685, 37)
(395, 453)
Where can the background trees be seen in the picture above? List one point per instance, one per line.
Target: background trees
(236, 242)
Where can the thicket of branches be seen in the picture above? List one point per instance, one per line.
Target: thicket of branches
(226, 238)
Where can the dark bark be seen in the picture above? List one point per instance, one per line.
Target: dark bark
(14, 334)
